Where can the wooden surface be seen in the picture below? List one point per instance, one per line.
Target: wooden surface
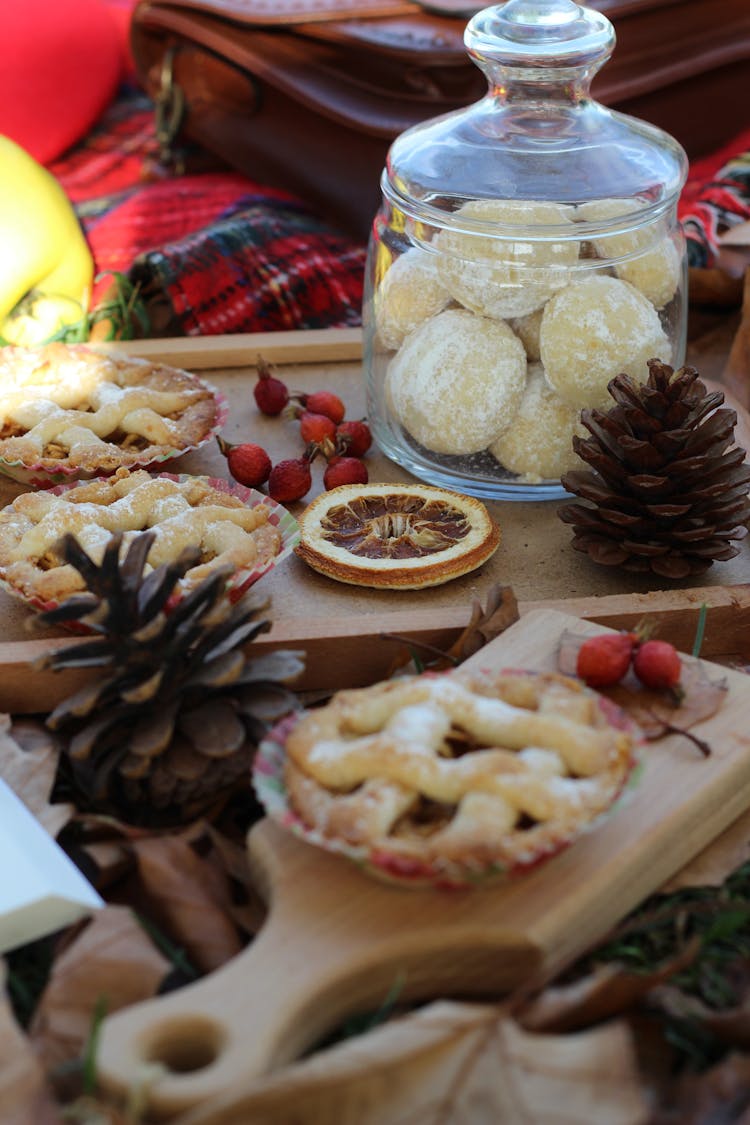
(535, 556)
(353, 651)
(336, 940)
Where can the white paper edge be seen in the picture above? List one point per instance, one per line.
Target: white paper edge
(41, 889)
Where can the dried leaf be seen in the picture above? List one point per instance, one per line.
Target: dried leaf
(699, 699)
(111, 960)
(24, 1095)
(28, 763)
(250, 914)
(485, 624)
(657, 712)
(610, 990)
(189, 897)
(717, 1097)
(105, 861)
(712, 866)
(730, 1025)
(447, 1063)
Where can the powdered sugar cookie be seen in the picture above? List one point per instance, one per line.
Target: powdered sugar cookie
(538, 446)
(505, 276)
(655, 271)
(457, 381)
(410, 292)
(592, 331)
(527, 329)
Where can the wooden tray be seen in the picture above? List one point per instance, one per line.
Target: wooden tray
(535, 556)
(336, 941)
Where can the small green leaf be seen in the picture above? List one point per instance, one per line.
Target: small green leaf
(700, 630)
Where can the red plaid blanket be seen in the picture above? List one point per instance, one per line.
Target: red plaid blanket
(214, 252)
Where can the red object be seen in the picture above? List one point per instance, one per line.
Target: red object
(345, 470)
(271, 394)
(604, 660)
(353, 438)
(290, 480)
(248, 463)
(62, 63)
(657, 665)
(315, 427)
(324, 402)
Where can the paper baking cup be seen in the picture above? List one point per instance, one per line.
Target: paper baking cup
(241, 580)
(41, 476)
(391, 867)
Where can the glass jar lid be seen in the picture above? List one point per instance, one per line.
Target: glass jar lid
(537, 134)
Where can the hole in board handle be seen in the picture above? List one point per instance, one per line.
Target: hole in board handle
(186, 1045)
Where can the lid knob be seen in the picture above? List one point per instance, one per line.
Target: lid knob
(540, 33)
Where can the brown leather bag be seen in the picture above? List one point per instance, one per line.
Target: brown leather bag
(308, 94)
(303, 94)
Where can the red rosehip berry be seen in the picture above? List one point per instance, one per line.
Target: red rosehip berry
(657, 665)
(345, 470)
(290, 480)
(604, 660)
(271, 395)
(353, 438)
(315, 427)
(248, 463)
(324, 402)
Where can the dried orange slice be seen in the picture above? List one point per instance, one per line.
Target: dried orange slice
(404, 536)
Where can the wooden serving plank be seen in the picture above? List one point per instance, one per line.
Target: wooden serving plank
(201, 353)
(353, 651)
(336, 941)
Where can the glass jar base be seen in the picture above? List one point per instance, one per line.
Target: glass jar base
(476, 474)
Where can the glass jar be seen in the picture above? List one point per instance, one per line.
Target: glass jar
(526, 251)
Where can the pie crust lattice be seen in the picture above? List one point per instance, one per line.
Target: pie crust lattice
(471, 768)
(182, 511)
(69, 407)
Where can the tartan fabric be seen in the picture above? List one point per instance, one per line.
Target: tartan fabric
(716, 197)
(214, 252)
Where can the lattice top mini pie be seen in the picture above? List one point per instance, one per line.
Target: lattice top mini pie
(472, 771)
(182, 511)
(71, 409)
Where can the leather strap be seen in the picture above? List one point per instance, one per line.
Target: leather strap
(281, 13)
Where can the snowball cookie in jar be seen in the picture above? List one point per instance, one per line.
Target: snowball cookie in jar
(410, 292)
(504, 274)
(651, 261)
(457, 381)
(539, 444)
(595, 329)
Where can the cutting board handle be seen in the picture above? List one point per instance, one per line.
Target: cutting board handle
(335, 943)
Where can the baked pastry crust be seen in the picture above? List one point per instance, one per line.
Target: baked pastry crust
(69, 407)
(474, 769)
(186, 511)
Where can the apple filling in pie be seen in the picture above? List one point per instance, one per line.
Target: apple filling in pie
(186, 512)
(469, 768)
(71, 406)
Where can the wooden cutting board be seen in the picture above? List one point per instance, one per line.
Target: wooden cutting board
(337, 942)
